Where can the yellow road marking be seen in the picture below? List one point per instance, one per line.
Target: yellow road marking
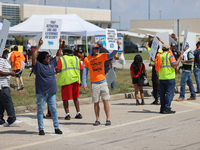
(98, 130)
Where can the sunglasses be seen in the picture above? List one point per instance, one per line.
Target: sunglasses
(96, 48)
(48, 56)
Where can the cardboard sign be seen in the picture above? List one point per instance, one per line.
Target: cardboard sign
(185, 37)
(154, 48)
(4, 35)
(51, 33)
(102, 38)
(111, 39)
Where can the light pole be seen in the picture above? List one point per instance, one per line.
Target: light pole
(149, 9)
(119, 23)
(111, 13)
(45, 2)
(160, 13)
(65, 6)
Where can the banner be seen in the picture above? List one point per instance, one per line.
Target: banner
(111, 39)
(51, 34)
(185, 37)
(154, 47)
(4, 35)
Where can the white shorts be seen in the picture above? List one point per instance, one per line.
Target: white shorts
(100, 90)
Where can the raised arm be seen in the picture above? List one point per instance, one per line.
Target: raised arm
(35, 53)
(58, 54)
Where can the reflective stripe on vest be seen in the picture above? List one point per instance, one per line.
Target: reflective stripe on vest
(67, 68)
(166, 65)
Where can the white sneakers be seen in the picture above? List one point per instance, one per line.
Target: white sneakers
(17, 122)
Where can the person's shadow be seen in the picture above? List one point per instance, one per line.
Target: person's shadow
(17, 131)
(144, 111)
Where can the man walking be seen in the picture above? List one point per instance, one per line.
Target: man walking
(99, 87)
(16, 59)
(197, 66)
(6, 102)
(165, 64)
(70, 74)
(188, 60)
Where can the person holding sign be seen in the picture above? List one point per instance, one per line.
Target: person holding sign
(188, 62)
(165, 65)
(99, 87)
(6, 102)
(45, 84)
(16, 59)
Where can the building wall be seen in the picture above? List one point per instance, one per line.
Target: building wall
(194, 24)
(0, 9)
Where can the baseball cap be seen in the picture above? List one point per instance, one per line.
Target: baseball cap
(95, 45)
(67, 47)
(187, 44)
(165, 46)
(173, 44)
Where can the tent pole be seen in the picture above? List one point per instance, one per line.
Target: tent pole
(86, 44)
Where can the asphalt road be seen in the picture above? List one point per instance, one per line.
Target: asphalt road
(133, 127)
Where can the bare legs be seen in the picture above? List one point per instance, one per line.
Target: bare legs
(106, 109)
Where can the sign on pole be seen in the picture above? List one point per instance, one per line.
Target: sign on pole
(154, 47)
(111, 39)
(51, 33)
(185, 37)
(102, 38)
(4, 35)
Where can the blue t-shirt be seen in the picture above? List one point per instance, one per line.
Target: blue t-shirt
(196, 59)
(45, 81)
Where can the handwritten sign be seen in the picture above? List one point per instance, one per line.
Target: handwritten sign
(51, 33)
(154, 47)
(4, 35)
(111, 39)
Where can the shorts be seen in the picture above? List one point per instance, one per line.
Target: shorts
(100, 90)
(135, 80)
(70, 91)
(19, 74)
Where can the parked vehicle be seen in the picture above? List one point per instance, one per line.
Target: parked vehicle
(130, 47)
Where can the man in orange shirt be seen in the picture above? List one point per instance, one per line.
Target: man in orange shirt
(16, 59)
(99, 87)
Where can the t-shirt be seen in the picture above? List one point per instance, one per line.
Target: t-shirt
(106, 63)
(95, 65)
(4, 80)
(142, 67)
(17, 58)
(176, 54)
(45, 81)
(59, 66)
(197, 58)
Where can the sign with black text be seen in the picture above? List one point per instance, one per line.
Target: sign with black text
(111, 39)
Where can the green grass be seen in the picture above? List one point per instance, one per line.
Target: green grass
(27, 96)
(130, 56)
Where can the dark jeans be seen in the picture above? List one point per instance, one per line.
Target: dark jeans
(156, 88)
(113, 83)
(166, 93)
(6, 103)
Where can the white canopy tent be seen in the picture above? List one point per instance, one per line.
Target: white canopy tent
(72, 25)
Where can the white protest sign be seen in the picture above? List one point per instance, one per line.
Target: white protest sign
(164, 36)
(4, 35)
(110, 76)
(185, 37)
(51, 33)
(154, 48)
(111, 39)
(191, 39)
(172, 41)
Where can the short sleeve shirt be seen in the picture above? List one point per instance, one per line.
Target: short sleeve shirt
(17, 58)
(142, 66)
(4, 80)
(190, 56)
(45, 81)
(95, 65)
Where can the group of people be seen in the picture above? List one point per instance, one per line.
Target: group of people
(164, 69)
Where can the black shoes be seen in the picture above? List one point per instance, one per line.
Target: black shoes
(137, 102)
(79, 116)
(108, 123)
(67, 117)
(41, 132)
(155, 103)
(57, 131)
(142, 103)
(96, 123)
(168, 112)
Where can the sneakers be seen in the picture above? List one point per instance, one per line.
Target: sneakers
(4, 124)
(17, 122)
(179, 99)
(41, 132)
(168, 112)
(67, 117)
(137, 102)
(79, 116)
(48, 115)
(17, 89)
(57, 131)
(142, 103)
(108, 123)
(191, 99)
(96, 123)
(22, 87)
(155, 103)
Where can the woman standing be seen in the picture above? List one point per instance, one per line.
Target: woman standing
(137, 67)
(45, 84)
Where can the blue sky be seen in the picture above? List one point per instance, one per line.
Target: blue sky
(131, 9)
